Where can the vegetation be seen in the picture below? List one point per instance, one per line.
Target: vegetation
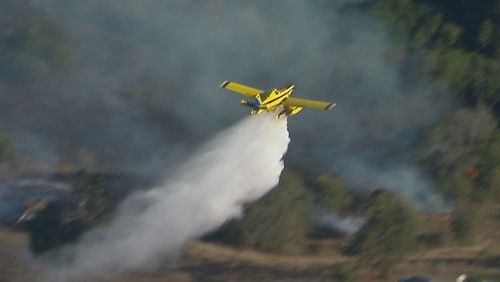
(7, 150)
(8, 155)
(49, 230)
(343, 273)
(278, 222)
(43, 43)
(389, 235)
(433, 240)
(94, 197)
(455, 42)
(331, 193)
(459, 151)
(465, 227)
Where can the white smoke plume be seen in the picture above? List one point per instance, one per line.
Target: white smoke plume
(344, 224)
(238, 165)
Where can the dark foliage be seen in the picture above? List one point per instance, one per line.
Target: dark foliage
(47, 230)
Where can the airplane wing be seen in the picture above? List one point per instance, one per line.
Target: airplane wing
(241, 89)
(311, 104)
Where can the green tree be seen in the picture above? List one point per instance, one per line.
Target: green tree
(230, 233)
(459, 134)
(378, 201)
(344, 273)
(389, 235)
(487, 34)
(491, 189)
(459, 48)
(331, 193)
(448, 35)
(434, 239)
(426, 32)
(281, 220)
(405, 15)
(94, 196)
(44, 41)
(462, 151)
(465, 227)
(457, 185)
(487, 190)
(47, 230)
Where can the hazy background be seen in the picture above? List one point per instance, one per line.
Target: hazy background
(140, 90)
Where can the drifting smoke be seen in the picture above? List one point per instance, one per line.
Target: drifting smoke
(343, 224)
(16, 195)
(238, 165)
(146, 75)
(403, 179)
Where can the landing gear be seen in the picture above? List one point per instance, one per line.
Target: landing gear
(289, 111)
(247, 103)
(256, 111)
(282, 114)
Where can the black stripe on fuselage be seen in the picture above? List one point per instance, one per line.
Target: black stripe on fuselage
(281, 96)
(225, 84)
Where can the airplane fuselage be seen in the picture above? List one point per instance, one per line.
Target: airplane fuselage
(277, 96)
(272, 102)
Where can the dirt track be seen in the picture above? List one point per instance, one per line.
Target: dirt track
(204, 261)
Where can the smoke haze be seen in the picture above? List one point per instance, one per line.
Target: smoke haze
(238, 165)
(342, 224)
(143, 92)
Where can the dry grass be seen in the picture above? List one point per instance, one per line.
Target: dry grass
(222, 263)
(201, 252)
(15, 259)
(444, 263)
(170, 277)
(12, 239)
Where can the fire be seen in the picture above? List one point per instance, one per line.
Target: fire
(473, 173)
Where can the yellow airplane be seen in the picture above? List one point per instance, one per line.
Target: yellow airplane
(274, 100)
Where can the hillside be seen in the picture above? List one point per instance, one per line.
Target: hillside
(115, 138)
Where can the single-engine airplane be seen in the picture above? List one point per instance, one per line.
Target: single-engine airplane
(274, 100)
